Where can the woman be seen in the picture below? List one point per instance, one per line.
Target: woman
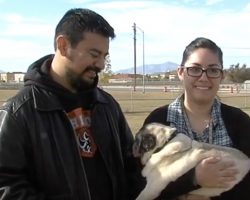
(199, 114)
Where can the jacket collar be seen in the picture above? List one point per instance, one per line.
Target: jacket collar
(45, 100)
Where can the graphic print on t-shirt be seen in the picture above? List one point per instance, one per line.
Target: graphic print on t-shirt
(81, 122)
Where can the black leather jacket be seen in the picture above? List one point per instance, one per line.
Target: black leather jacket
(39, 157)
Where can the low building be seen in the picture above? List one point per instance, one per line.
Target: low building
(121, 78)
(246, 85)
(172, 77)
(12, 77)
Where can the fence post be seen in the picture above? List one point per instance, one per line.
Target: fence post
(232, 89)
(131, 99)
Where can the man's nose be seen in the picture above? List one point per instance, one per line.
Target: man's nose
(100, 63)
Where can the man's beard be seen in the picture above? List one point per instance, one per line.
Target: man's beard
(78, 83)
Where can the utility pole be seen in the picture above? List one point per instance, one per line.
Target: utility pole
(143, 57)
(143, 60)
(134, 28)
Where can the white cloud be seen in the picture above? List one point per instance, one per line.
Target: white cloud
(19, 54)
(12, 17)
(79, 1)
(17, 25)
(124, 5)
(167, 28)
(247, 8)
(29, 29)
(213, 2)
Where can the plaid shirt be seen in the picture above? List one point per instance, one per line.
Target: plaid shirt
(219, 133)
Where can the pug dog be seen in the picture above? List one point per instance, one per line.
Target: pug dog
(167, 155)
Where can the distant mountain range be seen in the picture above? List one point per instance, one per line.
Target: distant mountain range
(150, 68)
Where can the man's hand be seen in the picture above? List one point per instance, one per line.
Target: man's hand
(214, 172)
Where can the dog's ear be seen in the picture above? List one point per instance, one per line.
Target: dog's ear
(173, 129)
(173, 132)
(170, 132)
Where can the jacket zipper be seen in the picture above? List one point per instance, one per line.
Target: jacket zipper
(79, 155)
(106, 165)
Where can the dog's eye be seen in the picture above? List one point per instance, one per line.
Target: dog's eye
(148, 142)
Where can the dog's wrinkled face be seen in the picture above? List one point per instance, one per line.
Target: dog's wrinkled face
(143, 143)
(151, 137)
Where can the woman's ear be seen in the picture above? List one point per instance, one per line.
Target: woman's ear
(223, 75)
(180, 72)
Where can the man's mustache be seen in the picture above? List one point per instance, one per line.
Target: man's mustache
(92, 68)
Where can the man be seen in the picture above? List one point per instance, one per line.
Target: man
(61, 137)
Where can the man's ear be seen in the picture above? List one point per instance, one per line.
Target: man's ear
(62, 44)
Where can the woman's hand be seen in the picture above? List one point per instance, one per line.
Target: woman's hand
(214, 172)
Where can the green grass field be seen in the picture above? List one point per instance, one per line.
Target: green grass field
(137, 105)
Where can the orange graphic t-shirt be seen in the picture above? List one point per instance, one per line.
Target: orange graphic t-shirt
(81, 122)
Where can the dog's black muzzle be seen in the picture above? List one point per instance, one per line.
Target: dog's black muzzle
(143, 143)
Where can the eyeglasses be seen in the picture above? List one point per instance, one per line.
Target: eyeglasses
(211, 72)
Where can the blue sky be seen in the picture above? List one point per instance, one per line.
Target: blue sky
(27, 29)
